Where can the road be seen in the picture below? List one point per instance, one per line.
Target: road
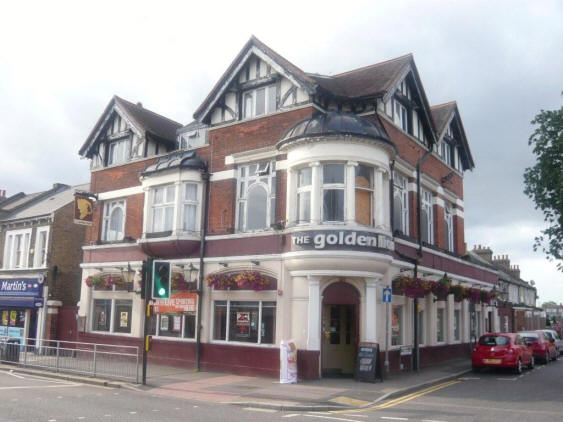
(536, 395)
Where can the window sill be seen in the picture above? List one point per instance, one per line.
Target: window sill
(241, 343)
(108, 333)
(165, 338)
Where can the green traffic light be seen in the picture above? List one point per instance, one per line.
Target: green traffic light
(162, 291)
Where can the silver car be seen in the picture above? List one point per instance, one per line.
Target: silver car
(558, 340)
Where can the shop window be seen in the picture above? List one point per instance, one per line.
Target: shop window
(118, 152)
(304, 187)
(421, 331)
(457, 325)
(364, 195)
(11, 318)
(258, 102)
(440, 325)
(16, 249)
(189, 211)
(113, 226)
(41, 238)
(162, 208)
(333, 192)
(427, 218)
(449, 228)
(112, 315)
(180, 326)
(245, 321)
(256, 196)
(397, 325)
(400, 204)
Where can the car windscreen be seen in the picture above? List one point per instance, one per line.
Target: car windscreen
(530, 336)
(494, 341)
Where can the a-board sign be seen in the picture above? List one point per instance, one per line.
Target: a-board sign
(368, 363)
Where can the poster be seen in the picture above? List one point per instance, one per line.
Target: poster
(4, 318)
(243, 323)
(123, 319)
(102, 319)
(176, 323)
(13, 316)
(288, 362)
(164, 323)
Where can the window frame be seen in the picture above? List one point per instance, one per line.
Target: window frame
(190, 202)
(441, 323)
(40, 260)
(426, 204)
(112, 316)
(401, 324)
(126, 154)
(10, 253)
(400, 187)
(333, 186)
(252, 94)
(448, 228)
(182, 337)
(245, 183)
(303, 190)
(109, 207)
(370, 190)
(227, 323)
(162, 205)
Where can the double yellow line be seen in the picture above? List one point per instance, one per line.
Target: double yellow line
(402, 399)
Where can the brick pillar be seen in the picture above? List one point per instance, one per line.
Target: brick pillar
(459, 235)
(439, 230)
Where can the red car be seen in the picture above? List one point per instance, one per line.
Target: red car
(544, 349)
(502, 350)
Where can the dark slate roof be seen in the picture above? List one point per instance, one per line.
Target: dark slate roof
(289, 67)
(336, 124)
(441, 113)
(176, 160)
(144, 119)
(365, 81)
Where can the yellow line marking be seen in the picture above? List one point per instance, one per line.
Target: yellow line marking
(402, 399)
(349, 401)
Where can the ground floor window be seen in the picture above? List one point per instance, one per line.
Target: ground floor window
(173, 325)
(396, 325)
(244, 321)
(457, 325)
(440, 325)
(112, 315)
(421, 332)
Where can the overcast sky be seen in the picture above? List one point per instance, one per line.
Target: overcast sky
(61, 62)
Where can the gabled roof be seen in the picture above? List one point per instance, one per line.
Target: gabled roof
(258, 47)
(442, 114)
(366, 81)
(54, 199)
(144, 120)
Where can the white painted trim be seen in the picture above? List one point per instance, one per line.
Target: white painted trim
(109, 246)
(120, 193)
(223, 175)
(252, 155)
(457, 212)
(337, 254)
(167, 239)
(438, 201)
(341, 273)
(95, 265)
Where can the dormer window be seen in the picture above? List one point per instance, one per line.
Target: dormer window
(258, 102)
(401, 116)
(118, 152)
(446, 152)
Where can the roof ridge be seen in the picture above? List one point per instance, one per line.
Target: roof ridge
(146, 109)
(444, 104)
(373, 65)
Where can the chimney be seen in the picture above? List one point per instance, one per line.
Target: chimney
(484, 252)
(139, 104)
(502, 261)
(2, 194)
(514, 271)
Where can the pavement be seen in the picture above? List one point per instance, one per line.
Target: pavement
(267, 393)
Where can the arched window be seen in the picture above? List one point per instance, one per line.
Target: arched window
(257, 208)
(256, 196)
(427, 218)
(114, 221)
(449, 228)
(400, 204)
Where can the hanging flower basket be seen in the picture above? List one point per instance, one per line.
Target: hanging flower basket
(459, 292)
(488, 296)
(107, 282)
(246, 280)
(475, 295)
(411, 287)
(441, 289)
(179, 283)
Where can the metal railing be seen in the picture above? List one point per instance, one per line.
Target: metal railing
(90, 359)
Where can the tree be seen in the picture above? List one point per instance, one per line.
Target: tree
(544, 181)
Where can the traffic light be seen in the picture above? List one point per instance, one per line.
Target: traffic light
(161, 280)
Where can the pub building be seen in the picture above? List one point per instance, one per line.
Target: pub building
(293, 198)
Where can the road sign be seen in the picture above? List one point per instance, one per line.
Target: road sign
(387, 295)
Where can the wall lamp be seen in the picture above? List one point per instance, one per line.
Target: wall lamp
(223, 264)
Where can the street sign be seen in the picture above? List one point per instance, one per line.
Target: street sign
(387, 295)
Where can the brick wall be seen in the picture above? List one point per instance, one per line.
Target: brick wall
(119, 177)
(439, 227)
(222, 207)
(459, 235)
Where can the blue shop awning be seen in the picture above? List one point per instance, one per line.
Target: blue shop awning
(20, 302)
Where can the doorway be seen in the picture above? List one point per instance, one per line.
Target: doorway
(339, 330)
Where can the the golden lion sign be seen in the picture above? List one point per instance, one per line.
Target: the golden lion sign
(83, 209)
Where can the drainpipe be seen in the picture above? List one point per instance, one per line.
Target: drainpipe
(204, 220)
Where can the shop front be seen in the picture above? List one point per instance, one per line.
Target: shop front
(20, 301)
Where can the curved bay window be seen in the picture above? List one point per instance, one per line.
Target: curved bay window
(364, 195)
(256, 196)
(304, 187)
(333, 192)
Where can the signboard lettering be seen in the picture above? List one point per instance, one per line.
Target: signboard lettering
(368, 363)
(30, 287)
(181, 302)
(331, 239)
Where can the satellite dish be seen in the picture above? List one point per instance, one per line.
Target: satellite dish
(532, 282)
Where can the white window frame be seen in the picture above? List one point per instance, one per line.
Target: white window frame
(251, 94)
(192, 202)
(400, 188)
(109, 207)
(303, 190)
(370, 189)
(40, 259)
(449, 227)
(457, 309)
(112, 316)
(10, 251)
(441, 309)
(182, 329)
(125, 152)
(228, 323)
(162, 205)
(429, 207)
(245, 183)
(334, 186)
(401, 116)
(402, 324)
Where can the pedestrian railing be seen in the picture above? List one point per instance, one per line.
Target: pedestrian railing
(90, 359)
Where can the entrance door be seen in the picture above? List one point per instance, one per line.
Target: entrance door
(338, 332)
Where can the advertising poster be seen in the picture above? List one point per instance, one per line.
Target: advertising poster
(176, 323)
(243, 323)
(164, 323)
(4, 318)
(288, 362)
(13, 317)
(123, 319)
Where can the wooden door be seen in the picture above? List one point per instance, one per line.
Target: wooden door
(338, 338)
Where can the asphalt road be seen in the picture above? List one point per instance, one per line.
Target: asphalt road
(536, 395)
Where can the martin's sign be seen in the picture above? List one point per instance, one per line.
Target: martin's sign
(30, 287)
(340, 239)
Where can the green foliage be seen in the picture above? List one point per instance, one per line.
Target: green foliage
(544, 181)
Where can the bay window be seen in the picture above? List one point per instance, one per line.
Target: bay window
(400, 204)
(333, 192)
(256, 196)
(258, 102)
(304, 186)
(190, 205)
(113, 221)
(244, 321)
(427, 217)
(449, 228)
(162, 208)
(364, 195)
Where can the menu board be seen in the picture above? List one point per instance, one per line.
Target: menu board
(368, 363)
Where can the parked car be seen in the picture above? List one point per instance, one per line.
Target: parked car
(544, 349)
(558, 340)
(502, 350)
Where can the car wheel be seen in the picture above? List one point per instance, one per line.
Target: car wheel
(546, 357)
(555, 356)
(475, 369)
(532, 363)
(518, 369)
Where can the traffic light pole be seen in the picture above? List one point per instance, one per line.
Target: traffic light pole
(146, 295)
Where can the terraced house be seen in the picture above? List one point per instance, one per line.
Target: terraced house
(291, 200)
